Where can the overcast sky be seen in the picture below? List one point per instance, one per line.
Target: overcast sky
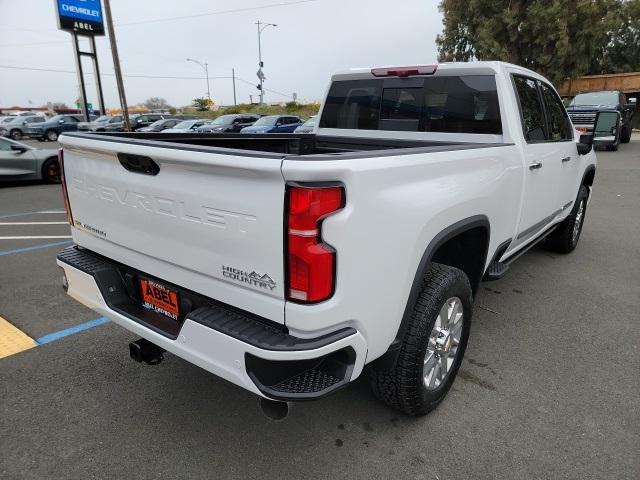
(313, 39)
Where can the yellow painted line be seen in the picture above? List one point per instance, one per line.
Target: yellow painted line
(13, 340)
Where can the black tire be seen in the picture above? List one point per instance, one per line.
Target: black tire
(564, 238)
(51, 135)
(15, 134)
(625, 135)
(404, 387)
(51, 170)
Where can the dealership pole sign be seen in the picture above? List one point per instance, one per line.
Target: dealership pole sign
(83, 17)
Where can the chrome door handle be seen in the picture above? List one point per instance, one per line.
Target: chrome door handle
(535, 166)
(566, 159)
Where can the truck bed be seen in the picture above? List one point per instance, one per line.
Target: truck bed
(289, 144)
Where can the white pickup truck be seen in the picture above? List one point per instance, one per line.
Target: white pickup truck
(287, 263)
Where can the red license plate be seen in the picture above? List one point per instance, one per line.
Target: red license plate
(582, 129)
(159, 298)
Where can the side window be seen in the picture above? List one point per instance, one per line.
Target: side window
(531, 109)
(559, 126)
(4, 145)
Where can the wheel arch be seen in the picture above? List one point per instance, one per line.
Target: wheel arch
(44, 164)
(589, 176)
(440, 249)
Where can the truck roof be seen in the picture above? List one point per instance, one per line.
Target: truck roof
(443, 69)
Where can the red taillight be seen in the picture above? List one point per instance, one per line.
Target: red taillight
(63, 182)
(404, 71)
(310, 262)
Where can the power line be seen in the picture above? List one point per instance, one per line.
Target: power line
(132, 75)
(218, 12)
(161, 20)
(266, 89)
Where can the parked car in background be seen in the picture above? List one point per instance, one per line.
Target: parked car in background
(186, 126)
(274, 124)
(17, 126)
(147, 119)
(89, 126)
(51, 129)
(231, 123)
(22, 162)
(160, 125)
(308, 126)
(584, 107)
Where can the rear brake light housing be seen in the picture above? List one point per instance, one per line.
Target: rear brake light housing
(63, 183)
(310, 262)
(404, 71)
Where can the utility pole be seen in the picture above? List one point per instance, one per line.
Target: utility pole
(233, 76)
(261, 27)
(205, 66)
(116, 65)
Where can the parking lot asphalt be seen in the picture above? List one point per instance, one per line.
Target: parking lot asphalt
(548, 389)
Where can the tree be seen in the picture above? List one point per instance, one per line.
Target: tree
(622, 53)
(156, 103)
(201, 104)
(558, 38)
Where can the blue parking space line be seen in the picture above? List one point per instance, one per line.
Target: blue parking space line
(52, 337)
(34, 247)
(43, 212)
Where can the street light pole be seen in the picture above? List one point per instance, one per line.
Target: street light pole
(205, 66)
(261, 27)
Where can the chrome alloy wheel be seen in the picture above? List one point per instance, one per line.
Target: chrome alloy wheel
(443, 345)
(577, 224)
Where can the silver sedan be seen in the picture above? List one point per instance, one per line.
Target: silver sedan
(22, 162)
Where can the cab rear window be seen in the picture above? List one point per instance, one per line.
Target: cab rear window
(465, 104)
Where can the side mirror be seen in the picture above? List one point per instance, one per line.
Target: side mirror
(60, 121)
(18, 149)
(606, 126)
(585, 143)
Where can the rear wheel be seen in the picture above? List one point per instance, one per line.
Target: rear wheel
(52, 135)
(564, 238)
(16, 134)
(432, 346)
(51, 170)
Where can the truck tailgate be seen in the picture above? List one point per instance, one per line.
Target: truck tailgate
(208, 221)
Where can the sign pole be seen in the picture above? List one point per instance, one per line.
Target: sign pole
(96, 69)
(83, 17)
(83, 90)
(116, 65)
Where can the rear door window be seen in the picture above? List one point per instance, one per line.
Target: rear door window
(559, 126)
(531, 109)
